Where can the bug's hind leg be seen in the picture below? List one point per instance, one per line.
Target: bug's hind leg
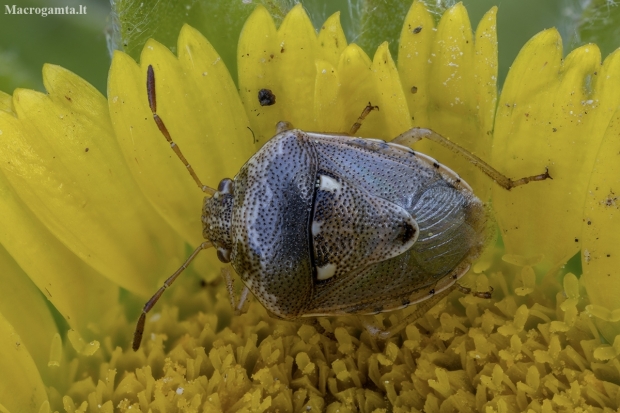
(411, 136)
(422, 308)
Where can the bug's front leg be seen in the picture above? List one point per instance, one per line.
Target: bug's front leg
(413, 135)
(239, 306)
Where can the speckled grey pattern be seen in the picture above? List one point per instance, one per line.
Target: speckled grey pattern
(323, 224)
(351, 228)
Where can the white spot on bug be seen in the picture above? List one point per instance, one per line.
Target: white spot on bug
(180, 390)
(327, 183)
(325, 272)
(316, 228)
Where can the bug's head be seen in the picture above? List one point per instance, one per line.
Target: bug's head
(216, 218)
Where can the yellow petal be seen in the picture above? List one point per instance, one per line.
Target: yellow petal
(450, 90)
(414, 64)
(452, 56)
(66, 165)
(485, 73)
(601, 219)
(160, 174)
(296, 67)
(342, 94)
(197, 101)
(223, 124)
(328, 101)
(6, 102)
(76, 290)
(358, 88)
(392, 102)
(332, 40)
(547, 117)
(21, 387)
(24, 307)
(283, 62)
(258, 56)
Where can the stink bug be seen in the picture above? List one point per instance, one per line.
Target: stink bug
(319, 224)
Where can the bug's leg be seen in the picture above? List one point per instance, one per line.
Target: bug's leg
(150, 90)
(358, 123)
(243, 301)
(283, 126)
(413, 135)
(480, 294)
(422, 308)
(229, 282)
(237, 306)
(137, 335)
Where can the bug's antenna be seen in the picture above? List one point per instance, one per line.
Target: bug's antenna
(150, 90)
(137, 335)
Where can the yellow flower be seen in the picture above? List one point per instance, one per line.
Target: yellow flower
(97, 211)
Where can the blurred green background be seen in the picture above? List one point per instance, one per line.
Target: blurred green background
(82, 43)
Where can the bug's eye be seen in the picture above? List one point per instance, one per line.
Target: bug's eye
(223, 255)
(226, 186)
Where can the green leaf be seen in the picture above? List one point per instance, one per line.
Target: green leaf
(15, 73)
(600, 23)
(76, 42)
(220, 21)
(381, 20)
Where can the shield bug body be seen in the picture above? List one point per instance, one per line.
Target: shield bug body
(317, 224)
(324, 224)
